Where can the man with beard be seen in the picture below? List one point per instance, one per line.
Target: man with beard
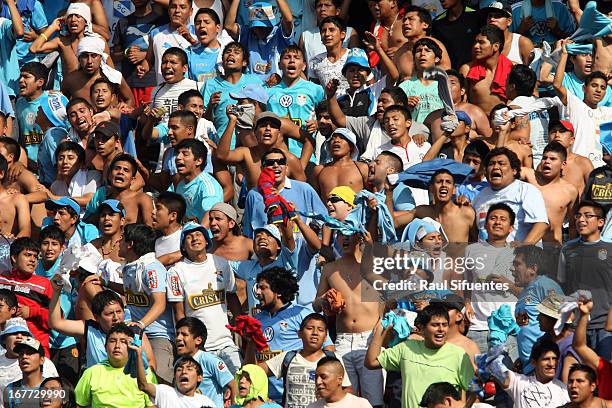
(581, 386)
(578, 167)
(92, 67)
(503, 170)
(559, 195)
(457, 221)
(422, 362)
(489, 69)
(542, 388)
(342, 167)
(138, 205)
(416, 25)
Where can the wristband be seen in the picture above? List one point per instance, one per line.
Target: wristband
(43, 35)
(141, 324)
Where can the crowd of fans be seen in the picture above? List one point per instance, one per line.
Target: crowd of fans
(305, 203)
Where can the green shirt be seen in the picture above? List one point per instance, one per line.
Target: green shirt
(421, 366)
(104, 386)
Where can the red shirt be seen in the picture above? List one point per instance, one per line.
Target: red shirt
(604, 379)
(34, 292)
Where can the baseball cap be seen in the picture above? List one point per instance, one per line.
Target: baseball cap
(107, 129)
(255, 92)
(358, 57)
(61, 203)
(498, 7)
(191, 227)
(15, 325)
(565, 124)
(114, 205)
(550, 306)
(29, 343)
(225, 209)
(346, 193)
(451, 301)
(272, 230)
(464, 117)
(261, 14)
(268, 115)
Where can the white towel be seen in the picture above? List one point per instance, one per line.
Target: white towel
(95, 45)
(537, 105)
(568, 307)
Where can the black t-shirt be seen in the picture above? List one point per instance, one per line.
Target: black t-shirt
(458, 36)
(359, 105)
(599, 187)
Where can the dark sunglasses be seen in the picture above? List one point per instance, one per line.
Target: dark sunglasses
(272, 162)
(335, 199)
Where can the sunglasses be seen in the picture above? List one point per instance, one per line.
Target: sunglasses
(335, 199)
(272, 162)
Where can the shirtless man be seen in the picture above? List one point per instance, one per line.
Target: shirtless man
(480, 73)
(268, 131)
(458, 87)
(355, 322)
(502, 138)
(416, 25)
(229, 243)
(76, 22)
(138, 205)
(560, 196)
(91, 67)
(387, 27)
(517, 48)
(578, 167)
(15, 213)
(342, 169)
(456, 220)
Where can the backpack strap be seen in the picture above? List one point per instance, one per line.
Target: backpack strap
(329, 353)
(284, 369)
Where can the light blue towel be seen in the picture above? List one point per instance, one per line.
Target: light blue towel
(360, 215)
(401, 327)
(501, 325)
(592, 24)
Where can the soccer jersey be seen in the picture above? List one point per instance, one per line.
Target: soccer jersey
(163, 38)
(216, 376)
(9, 66)
(33, 19)
(200, 194)
(203, 287)
(141, 279)
(265, 54)
(296, 102)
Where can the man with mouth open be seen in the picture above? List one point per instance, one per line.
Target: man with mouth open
(559, 195)
(581, 386)
(541, 389)
(423, 362)
(503, 170)
(31, 359)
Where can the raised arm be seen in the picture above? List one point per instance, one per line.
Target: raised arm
(586, 354)
(560, 90)
(74, 328)
(435, 148)
(141, 375)
(286, 17)
(232, 28)
(337, 116)
(371, 358)
(15, 18)
(43, 43)
(389, 66)
(224, 152)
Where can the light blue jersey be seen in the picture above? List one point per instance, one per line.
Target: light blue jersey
(280, 331)
(249, 269)
(200, 194)
(265, 54)
(34, 19)
(203, 62)
(9, 64)
(140, 284)
(219, 84)
(296, 102)
(532, 295)
(540, 32)
(53, 106)
(67, 302)
(216, 376)
(308, 272)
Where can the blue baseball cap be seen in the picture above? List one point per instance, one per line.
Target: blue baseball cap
(114, 205)
(272, 230)
(464, 117)
(191, 227)
(61, 203)
(15, 325)
(261, 14)
(605, 137)
(358, 57)
(251, 91)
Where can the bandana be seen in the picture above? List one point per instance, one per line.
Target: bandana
(83, 10)
(95, 45)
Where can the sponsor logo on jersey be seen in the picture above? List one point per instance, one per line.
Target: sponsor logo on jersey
(208, 297)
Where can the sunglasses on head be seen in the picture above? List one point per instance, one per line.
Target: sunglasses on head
(271, 162)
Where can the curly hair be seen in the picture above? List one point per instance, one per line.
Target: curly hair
(515, 162)
(281, 281)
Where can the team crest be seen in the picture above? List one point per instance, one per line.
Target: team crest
(221, 365)
(301, 100)
(284, 325)
(602, 254)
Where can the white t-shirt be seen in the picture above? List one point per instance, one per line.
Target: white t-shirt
(527, 392)
(586, 122)
(492, 260)
(166, 95)
(169, 397)
(163, 39)
(300, 386)
(83, 182)
(525, 200)
(323, 70)
(203, 287)
(538, 122)
(167, 244)
(349, 401)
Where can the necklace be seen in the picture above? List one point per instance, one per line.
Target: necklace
(104, 253)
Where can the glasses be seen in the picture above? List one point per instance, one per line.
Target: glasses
(272, 162)
(586, 216)
(335, 199)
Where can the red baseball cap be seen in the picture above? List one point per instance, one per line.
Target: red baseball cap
(563, 123)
